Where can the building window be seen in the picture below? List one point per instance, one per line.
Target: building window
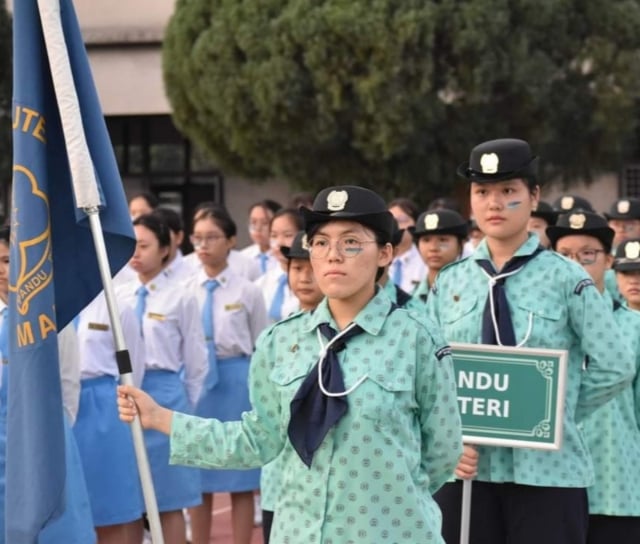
(630, 181)
(152, 155)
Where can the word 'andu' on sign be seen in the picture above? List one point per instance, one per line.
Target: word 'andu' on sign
(482, 381)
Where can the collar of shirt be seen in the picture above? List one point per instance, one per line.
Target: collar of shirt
(156, 283)
(408, 255)
(222, 277)
(530, 245)
(175, 264)
(371, 318)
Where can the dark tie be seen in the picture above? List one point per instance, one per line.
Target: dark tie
(505, 335)
(312, 412)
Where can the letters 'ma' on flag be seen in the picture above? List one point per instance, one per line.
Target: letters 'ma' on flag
(53, 270)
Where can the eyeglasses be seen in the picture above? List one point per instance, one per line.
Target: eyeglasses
(347, 247)
(584, 256)
(199, 241)
(257, 227)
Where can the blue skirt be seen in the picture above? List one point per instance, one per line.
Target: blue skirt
(226, 402)
(176, 487)
(108, 456)
(75, 526)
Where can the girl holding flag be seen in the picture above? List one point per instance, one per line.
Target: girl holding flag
(356, 399)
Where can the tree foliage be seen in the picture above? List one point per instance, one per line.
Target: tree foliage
(392, 94)
(5, 95)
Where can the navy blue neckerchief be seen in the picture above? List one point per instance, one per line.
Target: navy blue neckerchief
(501, 304)
(313, 414)
(402, 297)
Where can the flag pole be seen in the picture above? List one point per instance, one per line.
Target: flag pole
(126, 378)
(88, 199)
(465, 518)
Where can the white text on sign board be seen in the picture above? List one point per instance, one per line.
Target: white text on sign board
(483, 381)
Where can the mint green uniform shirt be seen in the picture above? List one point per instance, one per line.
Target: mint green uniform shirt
(555, 305)
(422, 290)
(372, 478)
(611, 285)
(413, 303)
(613, 436)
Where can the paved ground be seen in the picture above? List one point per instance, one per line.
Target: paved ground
(221, 530)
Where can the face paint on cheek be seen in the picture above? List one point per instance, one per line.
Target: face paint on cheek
(443, 246)
(513, 205)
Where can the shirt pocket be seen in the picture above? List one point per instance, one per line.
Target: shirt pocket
(539, 325)
(288, 378)
(385, 399)
(460, 319)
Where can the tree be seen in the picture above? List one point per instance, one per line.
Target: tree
(5, 96)
(392, 94)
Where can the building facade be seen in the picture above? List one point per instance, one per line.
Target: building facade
(124, 43)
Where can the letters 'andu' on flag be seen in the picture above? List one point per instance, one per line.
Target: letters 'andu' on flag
(53, 270)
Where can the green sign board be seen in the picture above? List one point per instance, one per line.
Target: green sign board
(510, 396)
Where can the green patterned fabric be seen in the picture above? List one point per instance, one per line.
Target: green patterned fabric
(553, 304)
(372, 478)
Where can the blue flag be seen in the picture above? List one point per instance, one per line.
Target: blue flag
(53, 266)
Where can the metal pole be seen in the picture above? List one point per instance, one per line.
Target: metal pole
(126, 377)
(465, 519)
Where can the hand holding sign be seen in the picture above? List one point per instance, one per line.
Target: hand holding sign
(468, 465)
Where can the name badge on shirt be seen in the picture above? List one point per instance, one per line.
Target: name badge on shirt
(232, 307)
(157, 317)
(98, 327)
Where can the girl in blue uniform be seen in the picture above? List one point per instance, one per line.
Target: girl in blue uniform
(513, 292)
(169, 318)
(233, 315)
(356, 399)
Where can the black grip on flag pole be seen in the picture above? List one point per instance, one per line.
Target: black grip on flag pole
(124, 361)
